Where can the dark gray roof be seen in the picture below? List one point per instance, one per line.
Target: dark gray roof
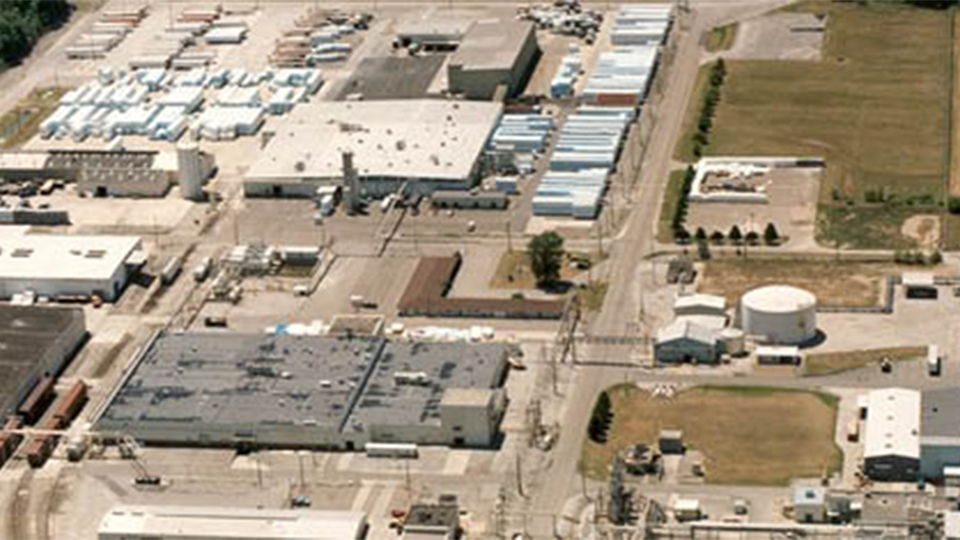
(26, 335)
(940, 413)
(445, 365)
(340, 382)
(247, 378)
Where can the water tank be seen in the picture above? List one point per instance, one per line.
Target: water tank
(779, 314)
(733, 341)
(191, 171)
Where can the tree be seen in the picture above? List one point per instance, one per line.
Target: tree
(752, 238)
(720, 67)
(770, 235)
(735, 235)
(700, 235)
(546, 256)
(717, 237)
(600, 419)
(681, 235)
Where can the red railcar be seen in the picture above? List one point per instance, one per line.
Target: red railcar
(32, 408)
(68, 407)
(10, 441)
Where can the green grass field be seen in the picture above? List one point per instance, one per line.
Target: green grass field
(876, 107)
(748, 435)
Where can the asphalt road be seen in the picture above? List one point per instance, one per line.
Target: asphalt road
(621, 307)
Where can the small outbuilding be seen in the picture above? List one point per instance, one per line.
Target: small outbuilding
(810, 504)
(782, 355)
(671, 441)
(700, 304)
(686, 341)
(919, 285)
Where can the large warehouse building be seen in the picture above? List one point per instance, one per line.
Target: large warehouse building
(35, 341)
(233, 390)
(141, 522)
(65, 265)
(779, 314)
(425, 144)
(491, 54)
(892, 447)
(939, 432)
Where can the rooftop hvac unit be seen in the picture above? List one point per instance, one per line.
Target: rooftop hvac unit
(411, 378)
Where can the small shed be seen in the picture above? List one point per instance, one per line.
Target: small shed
(686, 509)
(671, 441)
(919, 285)
(786, 355)
(810, 504)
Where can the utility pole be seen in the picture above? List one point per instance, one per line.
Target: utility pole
(520, 477)
(509, 237)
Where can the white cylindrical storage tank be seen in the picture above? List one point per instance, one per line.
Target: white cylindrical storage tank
(733, 341)
(191, 171)
(779, 314)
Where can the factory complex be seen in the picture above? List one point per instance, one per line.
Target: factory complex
(241, 390)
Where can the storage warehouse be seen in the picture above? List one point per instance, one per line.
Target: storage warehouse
(236, 390)
(140, 522)
(892, 448)
(493, 53)
(35, 341)
(779, 314)
(61, 265)
(687, 341)
(431, 144)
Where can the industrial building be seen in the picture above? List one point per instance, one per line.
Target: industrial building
(104, 173)
(253, 390)
(892, 447)
(142, 522)
(810, 504)
(469, 200)
(700, 304)
(35, 341)
(52, 266)
(939, 432)
(423, 144)
(686, 341)
(779, 315)
(426, 296)
(493, 54)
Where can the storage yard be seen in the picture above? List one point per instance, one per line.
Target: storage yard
(372, 271)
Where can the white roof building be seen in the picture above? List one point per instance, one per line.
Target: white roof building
(700, 304)
(127, 522)
(392, 141)
(52, 265)
(893, 423)
(689, 330)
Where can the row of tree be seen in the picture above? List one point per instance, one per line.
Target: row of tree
(22, 22)
(709, 108)
(683, 202)
(771, 236)
(600, 419)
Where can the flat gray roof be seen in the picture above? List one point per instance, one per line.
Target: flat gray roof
(492, 44)
(446, 365)
(256, 379)
(252, 379)
(940, 411)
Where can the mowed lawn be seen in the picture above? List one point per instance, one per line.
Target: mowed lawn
(876, 107)
(748, 435)
(835, 283)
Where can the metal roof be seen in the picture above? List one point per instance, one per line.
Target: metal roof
(893, 423)
(67, 257)
(685, 329)
(709, 301)
(197, 522)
